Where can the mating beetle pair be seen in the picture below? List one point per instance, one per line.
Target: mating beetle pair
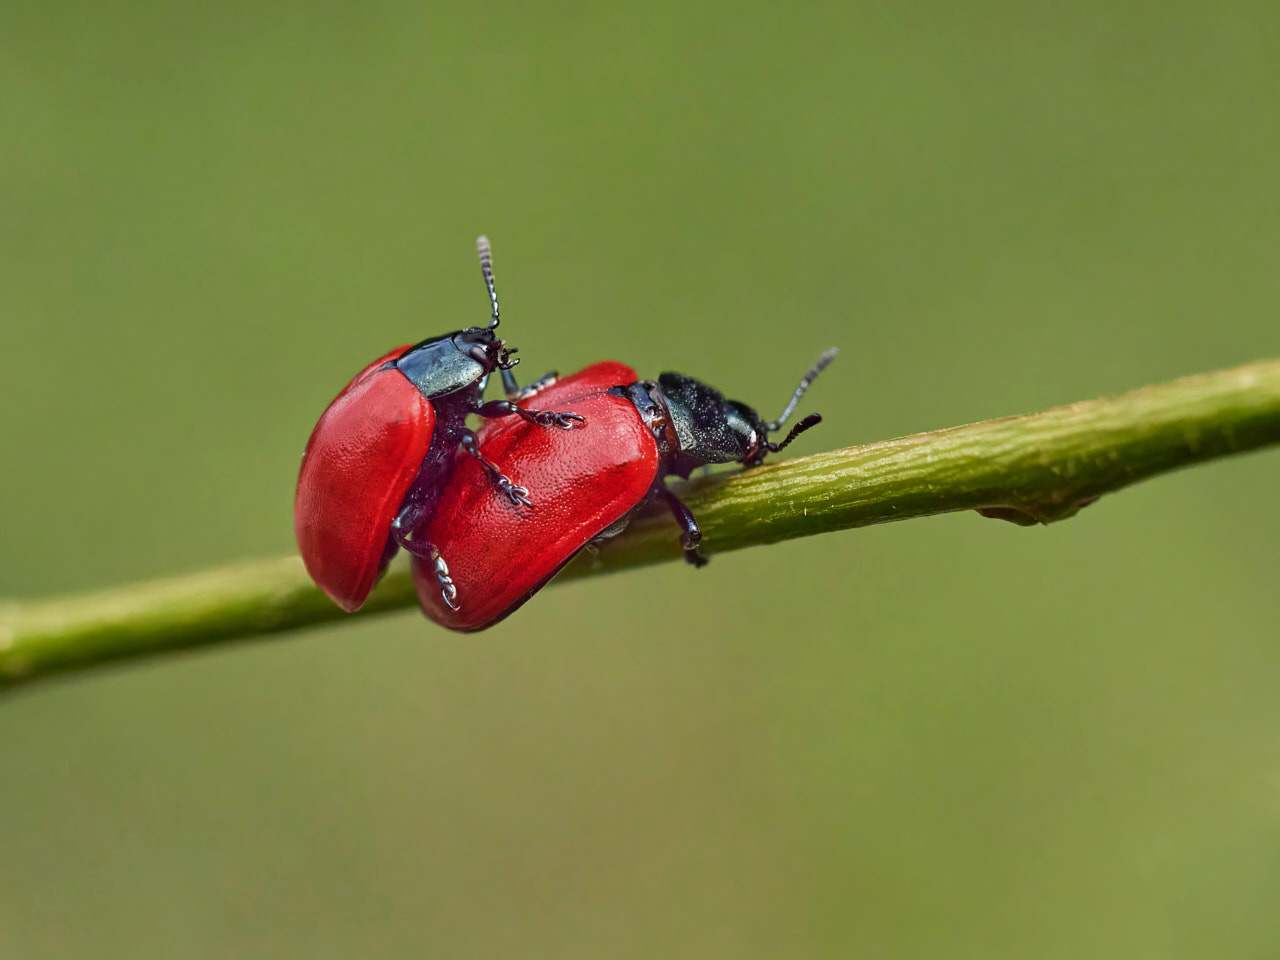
(490, 517)
(383, 450)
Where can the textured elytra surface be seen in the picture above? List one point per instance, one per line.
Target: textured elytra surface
(580, 480)
(359, 463)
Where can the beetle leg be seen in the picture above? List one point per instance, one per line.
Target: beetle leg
(517, 495)
(516, 393)
(690, 533)
(543, 418)
(448, 591)
(509, 385)
(424, 550)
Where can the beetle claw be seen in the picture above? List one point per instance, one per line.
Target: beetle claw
(519, 496)
(565, 421)
(448, 590)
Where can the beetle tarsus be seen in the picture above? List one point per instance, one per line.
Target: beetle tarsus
(543, 418)
(448, 589)
(518, 495)
(565, 421)
(425, 550)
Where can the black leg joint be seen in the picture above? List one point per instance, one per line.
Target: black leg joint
(427, 552)
(516, 494)
(690, 532)
(543, 418)
(509, 385)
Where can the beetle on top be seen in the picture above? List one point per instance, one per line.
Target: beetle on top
(383, 451)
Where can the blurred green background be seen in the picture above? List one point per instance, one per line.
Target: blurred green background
(945, 738)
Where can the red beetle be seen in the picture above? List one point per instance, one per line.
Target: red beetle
(636, 434)
(383, 450)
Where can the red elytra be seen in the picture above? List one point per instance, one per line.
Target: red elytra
(638, 433)
(360, 461)
(501, 554)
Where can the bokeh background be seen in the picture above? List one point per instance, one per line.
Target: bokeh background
(950, 737)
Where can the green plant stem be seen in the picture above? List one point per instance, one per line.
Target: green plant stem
(1030, 469)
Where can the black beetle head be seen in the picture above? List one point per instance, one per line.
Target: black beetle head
(484, 346)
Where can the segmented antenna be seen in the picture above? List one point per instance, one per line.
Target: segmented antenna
(812, 420)
(805, 381)
(486, 268)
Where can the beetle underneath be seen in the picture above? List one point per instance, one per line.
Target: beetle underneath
(637, 433)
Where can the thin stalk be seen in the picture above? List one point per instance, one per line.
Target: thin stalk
(1031, 469)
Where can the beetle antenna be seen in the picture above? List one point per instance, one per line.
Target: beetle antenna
(812, 420)
(805, 381)
(486, 268)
